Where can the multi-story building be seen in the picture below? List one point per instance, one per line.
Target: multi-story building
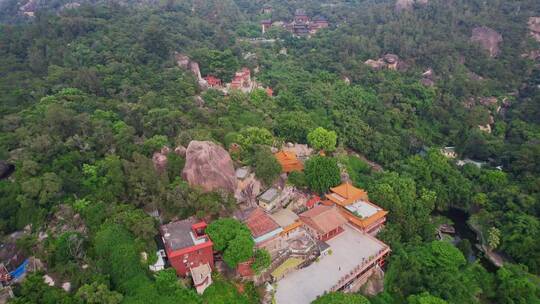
(187, 246)
(355, 206)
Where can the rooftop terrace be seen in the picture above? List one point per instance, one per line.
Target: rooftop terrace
(349, 249)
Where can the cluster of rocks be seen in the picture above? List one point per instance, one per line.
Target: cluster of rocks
(388, 61)
(493, 104)
(428, 78)
(488, 39)
(482, 101)
(159, 159)
(532, 55)
(407, 5)
(247, 188)
(534, 27)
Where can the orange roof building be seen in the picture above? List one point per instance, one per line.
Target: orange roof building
(288, 161)
(355, 206)
(346, 194)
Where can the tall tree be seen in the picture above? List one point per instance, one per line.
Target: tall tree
(322, 173)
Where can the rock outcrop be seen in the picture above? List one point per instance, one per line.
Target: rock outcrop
(534, 27)
(428, 78)
(209, 166)
(389, 61)
(247, 191)
(180, 150)
(532, 55)
(488, 39)
(407, 5)
(159, 159)
(186, 63)
(375, 283)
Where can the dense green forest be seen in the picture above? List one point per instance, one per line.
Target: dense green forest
(89, 94)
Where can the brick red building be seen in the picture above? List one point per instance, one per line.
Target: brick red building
(213, 81)
(187, 246)
(323, 222)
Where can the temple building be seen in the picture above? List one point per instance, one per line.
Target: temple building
(242, 80)
(213, 82)
(189, 250)
(301, 25)
(265, 25)
(288, 161)
(264, 230)
(323, 222)
(300, 16)
(355, 206)
(289, 222)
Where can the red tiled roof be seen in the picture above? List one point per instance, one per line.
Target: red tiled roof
(323, 218)
(212, 80)
(312, 201)
(244, 269)
(260, 223)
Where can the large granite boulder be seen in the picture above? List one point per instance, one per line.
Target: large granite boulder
(209, 166)
(488, 39)
(534, 27)
(407, 5)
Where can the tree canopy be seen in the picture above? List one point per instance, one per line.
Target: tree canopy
(322, 173)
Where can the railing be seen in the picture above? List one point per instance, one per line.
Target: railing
(359, 269)
(265, 275)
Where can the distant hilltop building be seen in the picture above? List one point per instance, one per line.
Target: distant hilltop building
(301, 25)
(267, 9)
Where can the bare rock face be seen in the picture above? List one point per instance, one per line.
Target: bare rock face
(180, 150)
(404, 5)
(388, 61)
(428, 78)
(391, 58)
(532, 55)
(375, 283)
(248, 190)
(407, 5)
(184, 62)
(160, 162)
(488, 39)
(159, 159)
(375, 64)
(209, 166)
(534, 27)
(488, 101)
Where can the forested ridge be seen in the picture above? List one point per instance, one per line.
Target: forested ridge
(89, 93)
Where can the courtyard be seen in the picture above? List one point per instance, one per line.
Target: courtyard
(348, 250)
